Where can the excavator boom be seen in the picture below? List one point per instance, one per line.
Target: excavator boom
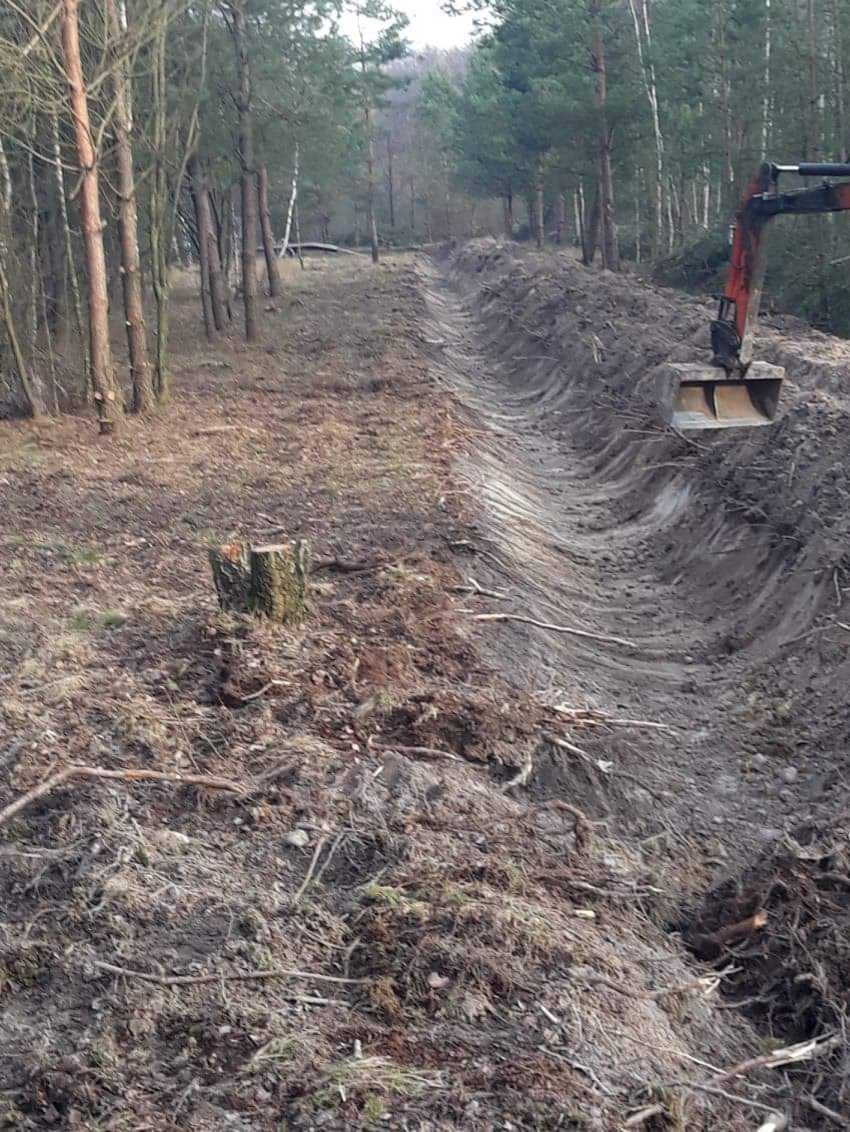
(734, 391)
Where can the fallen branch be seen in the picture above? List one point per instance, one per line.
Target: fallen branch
(584, 717)
(715, 1092)
(238, 977)
(645, 1114)
(265, 688)
(830, 1114)
(422, 752)
(568, 629)
(791, 1055)
(305, 884)
(340, 567)
(475, 590)
(71, 772)
(220, 430)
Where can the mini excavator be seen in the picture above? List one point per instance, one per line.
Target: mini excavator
(734, 391)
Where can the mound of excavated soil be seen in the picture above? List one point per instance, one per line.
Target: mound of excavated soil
(721, 562)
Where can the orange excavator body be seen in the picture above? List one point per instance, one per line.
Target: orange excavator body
(734, 391)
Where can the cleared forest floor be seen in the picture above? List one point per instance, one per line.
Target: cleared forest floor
(472, 874)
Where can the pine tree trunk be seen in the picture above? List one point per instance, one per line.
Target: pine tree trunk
(561, 221)
(293, 199)
(370, 175)
(131, 280)
(272, 269)
(591, 231)
(539, 210)
(217, 275)
(578, 210)
(508, 203)
(643, 34)
(390, 180)
(765, 103)
(840, 81)
(815, 126)
(248, 164)
(203, 225)
(29, 389)
(73, 278)
(609, 244)
(160, 244)
(412, 207)
(106, 393)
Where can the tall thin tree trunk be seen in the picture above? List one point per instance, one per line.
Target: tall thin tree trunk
(391, 180)
(508, 202)
(272, 269)
(539, 210)
(248, 165)
(203, 224)
(73, 278)
(643, 34)
(610, 243)
(29, 389)
(34, 404)
(725, 107)
(561, 221)
(591, 231)
(34, 240)
(106, 393)
(412, 207)
(840, 81)
(131, 279)
(370, 155)
(298, 235)
(293, 198)
(370, 186)
(766, 97)
(160, 244)
(815, 120)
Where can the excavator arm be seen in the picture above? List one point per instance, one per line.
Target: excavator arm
(735, 391)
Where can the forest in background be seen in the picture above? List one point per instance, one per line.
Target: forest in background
(137, 136)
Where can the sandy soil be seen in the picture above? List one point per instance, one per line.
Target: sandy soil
(465, 873)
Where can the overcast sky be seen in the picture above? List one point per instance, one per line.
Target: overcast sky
(429, 25)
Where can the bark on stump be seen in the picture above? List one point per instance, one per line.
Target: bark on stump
(263, 581)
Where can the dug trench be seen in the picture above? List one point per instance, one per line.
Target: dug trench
(693, 589)
(416, 863)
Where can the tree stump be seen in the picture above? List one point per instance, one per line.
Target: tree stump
(262, 581)
(231, 570)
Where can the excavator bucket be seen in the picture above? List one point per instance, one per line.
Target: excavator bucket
(702, 396)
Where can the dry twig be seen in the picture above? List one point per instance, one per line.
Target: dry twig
(791, 1055)
(71, 772)
(830, 1114)
(238, 977)
(568, 629)
(305, 884)
(422, 752)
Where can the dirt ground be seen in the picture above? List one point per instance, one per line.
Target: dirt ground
(443, 871)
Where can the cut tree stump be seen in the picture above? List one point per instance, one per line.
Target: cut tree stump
(262, 581)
